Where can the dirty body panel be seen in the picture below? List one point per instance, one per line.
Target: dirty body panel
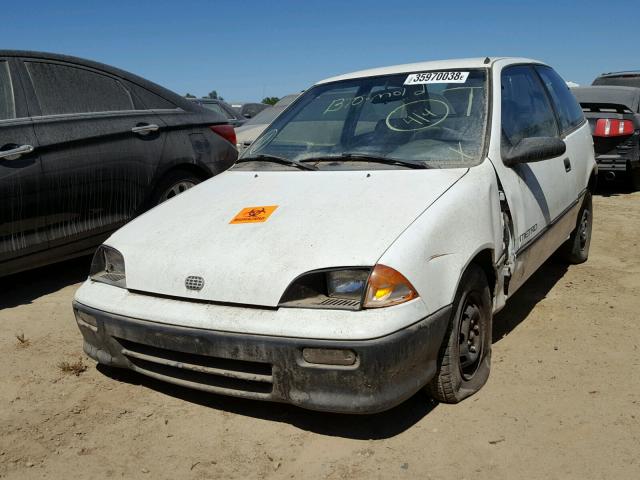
(102, 141)
(385, 372)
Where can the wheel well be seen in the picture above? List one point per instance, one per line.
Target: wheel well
(196, 170)
(484, 260)
(593, 182)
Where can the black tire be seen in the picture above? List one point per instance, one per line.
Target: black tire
(633, 178)
(576, 249)
(457, 379)
(172, 184)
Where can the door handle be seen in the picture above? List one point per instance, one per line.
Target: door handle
(16, 153)
(567, 165)
(145, 129)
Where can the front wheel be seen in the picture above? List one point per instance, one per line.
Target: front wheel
(464, 361)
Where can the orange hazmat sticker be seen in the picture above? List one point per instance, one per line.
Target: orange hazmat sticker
(254, 214)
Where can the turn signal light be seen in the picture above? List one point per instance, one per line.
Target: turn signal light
(612, 127)
(387, 287)
(225, 131)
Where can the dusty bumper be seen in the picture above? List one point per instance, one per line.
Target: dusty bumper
(387, 370)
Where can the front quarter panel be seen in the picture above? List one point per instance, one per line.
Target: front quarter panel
(433, 252)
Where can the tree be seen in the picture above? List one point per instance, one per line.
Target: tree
(188, 95)
(270, 100)
(214, 95)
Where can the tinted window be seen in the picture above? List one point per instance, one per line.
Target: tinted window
(526, 111)
(7, 107)
(63, 89)
(629, 80)
(214, 107)
(567, 107)
(150, 100)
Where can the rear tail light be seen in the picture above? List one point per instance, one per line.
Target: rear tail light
(610, 127)
(225, 131)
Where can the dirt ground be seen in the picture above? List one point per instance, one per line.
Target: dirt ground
(563, 399)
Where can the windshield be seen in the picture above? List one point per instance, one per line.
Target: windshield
(436, 119)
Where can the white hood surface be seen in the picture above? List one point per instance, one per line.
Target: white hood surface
(323, 219)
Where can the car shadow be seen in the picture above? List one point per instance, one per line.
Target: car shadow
(359, 427)
(527, 297)
(25, 287)
(613, 188)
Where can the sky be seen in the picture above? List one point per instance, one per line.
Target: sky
(247, 50)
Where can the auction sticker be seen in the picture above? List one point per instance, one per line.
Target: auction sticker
(254, 214)
(436, 77)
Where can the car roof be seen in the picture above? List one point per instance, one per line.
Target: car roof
(480, 62)
(142, 82)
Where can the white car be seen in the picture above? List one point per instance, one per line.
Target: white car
(358, 250)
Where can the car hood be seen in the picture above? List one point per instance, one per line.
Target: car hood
(322, 219)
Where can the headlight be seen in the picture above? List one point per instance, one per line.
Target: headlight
(107, 266)
(349, 289)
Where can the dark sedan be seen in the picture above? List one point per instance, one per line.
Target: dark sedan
(85, 147)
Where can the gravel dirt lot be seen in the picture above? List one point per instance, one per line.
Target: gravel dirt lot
(563, 399)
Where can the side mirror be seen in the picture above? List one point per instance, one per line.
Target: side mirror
(534, 149)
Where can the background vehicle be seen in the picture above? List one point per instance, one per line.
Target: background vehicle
(365, 241)
(252, 129)
(231, 114)
(612, 106)
(249, 109)
(85, 147)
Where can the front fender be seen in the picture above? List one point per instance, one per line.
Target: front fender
(434, 251)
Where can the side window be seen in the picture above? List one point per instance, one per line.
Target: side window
(64, 89)
(526, 111)
(148, 99)
(567, 107)
(7, 105)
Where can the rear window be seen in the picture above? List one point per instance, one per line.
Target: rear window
(567, 107)
(214, 107)
(7, 105)
(631, 80)
(64, 89)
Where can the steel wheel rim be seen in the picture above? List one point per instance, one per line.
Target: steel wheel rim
(176, 189)
(470, 338)
(584, 229)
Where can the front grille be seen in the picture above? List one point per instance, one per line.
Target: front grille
(194, 283)
(214, 374)
(340, 302)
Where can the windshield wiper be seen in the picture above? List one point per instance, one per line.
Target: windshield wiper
(366, 158)
(276, 159)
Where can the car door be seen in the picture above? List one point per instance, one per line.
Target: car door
(22, 224)
(99, 149)
(570, 119)
(539, 194)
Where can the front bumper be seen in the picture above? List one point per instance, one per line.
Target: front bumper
(387, 370)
